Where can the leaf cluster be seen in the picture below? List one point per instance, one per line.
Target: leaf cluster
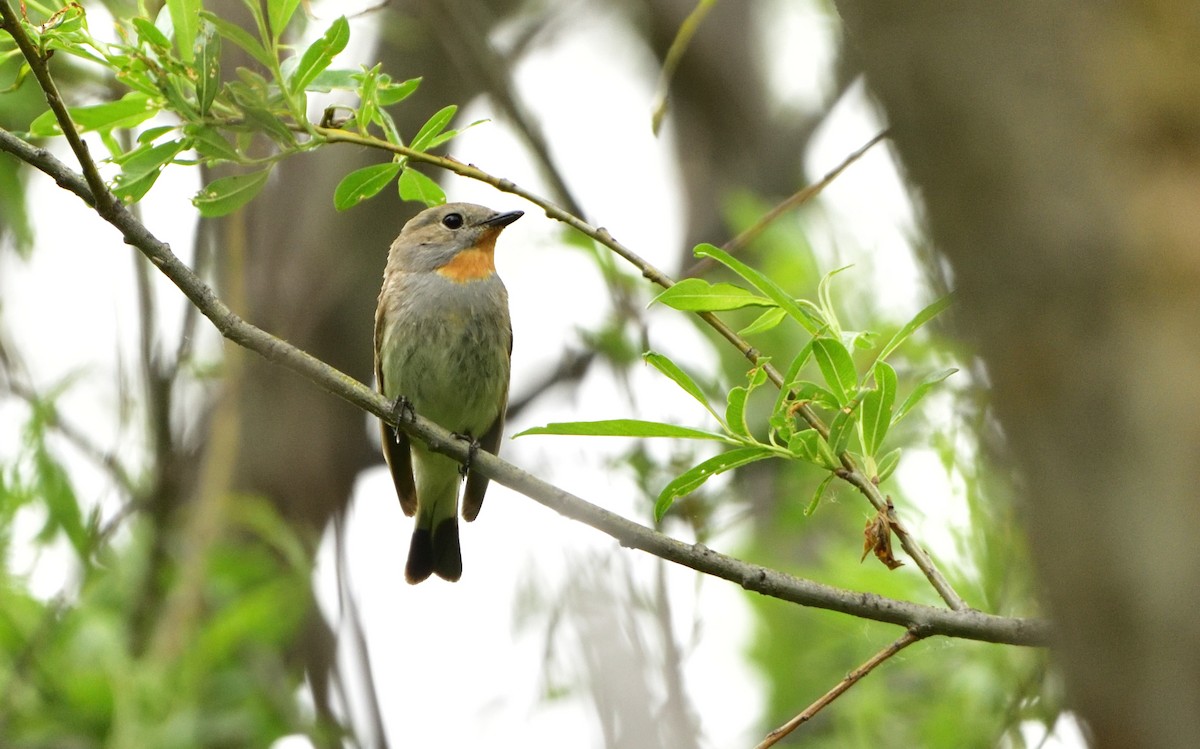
(170, 66)
(828, 405)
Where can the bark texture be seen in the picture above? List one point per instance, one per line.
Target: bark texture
(1056, 149)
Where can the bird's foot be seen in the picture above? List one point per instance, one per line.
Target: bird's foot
(472, 448)
(402, 410)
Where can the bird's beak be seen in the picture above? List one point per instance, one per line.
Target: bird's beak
(503, 219)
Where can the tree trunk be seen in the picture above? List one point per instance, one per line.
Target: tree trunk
(1056, 147)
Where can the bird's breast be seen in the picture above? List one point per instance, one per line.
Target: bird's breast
(445, 346)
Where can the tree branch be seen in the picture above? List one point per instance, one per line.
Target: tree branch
(700, 267)
(966, 624)
(852, 678)
(12, 24)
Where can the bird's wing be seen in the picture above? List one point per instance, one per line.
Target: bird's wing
(395, 442)
(477, 483)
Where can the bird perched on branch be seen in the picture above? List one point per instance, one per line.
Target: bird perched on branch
(443, 344)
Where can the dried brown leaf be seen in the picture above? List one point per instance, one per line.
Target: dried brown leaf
(877, 536)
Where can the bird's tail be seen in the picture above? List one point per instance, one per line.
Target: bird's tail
(434, 548)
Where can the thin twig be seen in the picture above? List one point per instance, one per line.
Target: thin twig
(683, 38)
(91, 174)
(852, 678)
(967, 624)
(748, 235)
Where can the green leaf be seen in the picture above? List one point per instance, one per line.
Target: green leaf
(762, 283)
(133, 188)
(417, 187)
(623, 428)
(241, 38)
(208, 65)
(698, 295)
(758, 375)
(210, 144)
(448, 134)
(887, 465)
(432, 127)
(335, 80)
(877, 408)
(394, 93)
(185, 16)
(842, 428)
(680, 378)
(179, 89)
(137, 79)
(364, 183)
(224, 196)
(150, 35)
(924, 316)
(279, 12)
(140, 169)
(820, 492)
(152, 134)
(826, 302)
(764, 322)
(368, 97)
(808, 446)
(837, 367)
(320, 54)
(269, 123)
(811, 392)
(793, 374)
(131, 109)
(864, 340)
(693, 478)
(735, 412)
(921, 391)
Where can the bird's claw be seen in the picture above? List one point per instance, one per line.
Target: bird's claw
(402, 410)
(472, 448)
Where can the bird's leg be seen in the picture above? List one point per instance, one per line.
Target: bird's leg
(472, 448)
(402, 410)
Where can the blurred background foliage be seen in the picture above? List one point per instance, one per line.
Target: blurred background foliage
(187, 618)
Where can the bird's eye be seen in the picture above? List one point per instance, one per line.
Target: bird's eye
(452, 220)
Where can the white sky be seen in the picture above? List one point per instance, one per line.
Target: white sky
(472, 677)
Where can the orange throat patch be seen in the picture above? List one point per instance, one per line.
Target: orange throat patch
(474, 264)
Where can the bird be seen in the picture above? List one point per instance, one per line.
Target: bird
(443, 348)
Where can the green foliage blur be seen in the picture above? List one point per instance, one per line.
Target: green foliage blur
(90, 667)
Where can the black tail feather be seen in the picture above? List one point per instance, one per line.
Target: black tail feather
(447, 553)
(420, 556)
(436, 552)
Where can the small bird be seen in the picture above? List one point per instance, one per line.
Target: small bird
(443, 344)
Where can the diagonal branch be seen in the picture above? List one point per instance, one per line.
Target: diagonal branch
(792, 202)
(12, 24)
(849, 471)
(967, 624)
(852, 678)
